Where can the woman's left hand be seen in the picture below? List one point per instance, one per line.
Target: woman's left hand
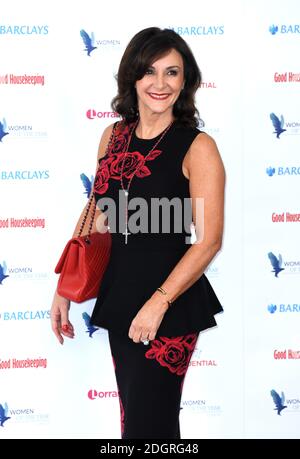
(147, 321)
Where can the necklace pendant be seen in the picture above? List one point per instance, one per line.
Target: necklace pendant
(126, 234)
(126, 192)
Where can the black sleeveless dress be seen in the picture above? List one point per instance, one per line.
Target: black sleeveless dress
(137, 268)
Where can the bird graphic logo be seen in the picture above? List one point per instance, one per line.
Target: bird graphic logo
(276, 263)
(278, 401)
(3, 128)
(270, 171)
(3, 414)
(272, 308)
(87, 183)
(88, 41)
(277, 124)
(90, 328)
(3, 271)
(273, 29)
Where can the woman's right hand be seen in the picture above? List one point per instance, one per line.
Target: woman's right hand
(59, 316)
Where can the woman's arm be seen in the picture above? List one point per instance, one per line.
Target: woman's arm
(207, 180)
(60, 306)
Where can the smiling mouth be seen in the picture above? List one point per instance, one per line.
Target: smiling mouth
(158, 96)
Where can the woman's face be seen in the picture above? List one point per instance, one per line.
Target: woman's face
(161, 85)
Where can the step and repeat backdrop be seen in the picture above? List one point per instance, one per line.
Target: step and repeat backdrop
(57, 78)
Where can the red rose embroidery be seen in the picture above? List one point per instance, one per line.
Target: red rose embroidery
(132, 162)
(102, 177)
(119, 144)
(173, 353)
(123, 128)
(110, 167)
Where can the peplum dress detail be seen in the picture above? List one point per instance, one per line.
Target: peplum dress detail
(137, 268)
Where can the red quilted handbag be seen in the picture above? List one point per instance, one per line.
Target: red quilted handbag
(82, 266)
(84, 259)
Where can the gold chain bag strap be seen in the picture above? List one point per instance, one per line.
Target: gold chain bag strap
(84, 259)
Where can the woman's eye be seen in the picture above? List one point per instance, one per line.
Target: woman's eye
(173, 72)
(149, 72)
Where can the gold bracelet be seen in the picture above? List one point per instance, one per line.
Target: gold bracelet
(161, 290)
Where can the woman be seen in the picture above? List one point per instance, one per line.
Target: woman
(154, 298)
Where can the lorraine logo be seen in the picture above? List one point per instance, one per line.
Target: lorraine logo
(87, 183)
(276, 263)
(90, 328)
(3, 414)
(270, 171)
(278, 401)
(92, 114)
(273, 29)
(88, 41)
(3, 129)
(277, 124)
(272, 308)
(3, 271)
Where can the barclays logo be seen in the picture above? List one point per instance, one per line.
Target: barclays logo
(283, 171)
(284, 29)
(284, 308)
(23, 30)
(3, 129)
(25, 175)
(87, 183)
(203, 30)
(278, 401)
(273, 29)
(90, 328)
(270, 171)
(3, 414)
(25, 315)
(272, 308)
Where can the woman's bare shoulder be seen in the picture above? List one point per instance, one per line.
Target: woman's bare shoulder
(203, 142)
(203, 155)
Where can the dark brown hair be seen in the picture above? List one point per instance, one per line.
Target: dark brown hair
(146, 47)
